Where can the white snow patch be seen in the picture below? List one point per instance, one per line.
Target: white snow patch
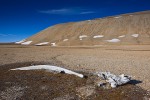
(53, 44)
(98, 36)
(65, 40)
(113, 40)
(43, 43)
(121, 36)
(26, 43)
(89, 20)
(20, 42)
(82, 36)
(135, 35)
(118, 17)
(114, 80)
(50, 68)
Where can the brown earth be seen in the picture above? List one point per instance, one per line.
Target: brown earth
(110, 27)
(42, 85)
(131, 60)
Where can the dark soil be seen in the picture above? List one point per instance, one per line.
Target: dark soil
(42, 85)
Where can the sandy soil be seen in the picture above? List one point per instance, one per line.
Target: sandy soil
(131, 60)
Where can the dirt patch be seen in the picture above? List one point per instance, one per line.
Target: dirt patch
(42, 85)
(12, 93)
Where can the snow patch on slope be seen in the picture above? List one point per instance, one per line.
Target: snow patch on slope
(43, 43)
(121, 36)
(18, 42)
(26, 43)
(82, 36)
(53, 44)
(118, 17)
(65, 40)
(50, 68)
(98, 36)
(113, 40)
(135, 35)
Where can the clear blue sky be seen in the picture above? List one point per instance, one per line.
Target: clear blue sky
(20, 19)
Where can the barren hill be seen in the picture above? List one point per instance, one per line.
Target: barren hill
(132, 28)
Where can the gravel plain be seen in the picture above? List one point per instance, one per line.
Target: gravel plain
(130, 60)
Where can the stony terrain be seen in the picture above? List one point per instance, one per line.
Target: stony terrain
(132, 28)
(130, 59)
(42, 85)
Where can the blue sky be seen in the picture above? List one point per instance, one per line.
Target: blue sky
(20, 19)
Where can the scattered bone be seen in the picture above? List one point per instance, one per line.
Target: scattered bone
(50, 68)
(114, 80)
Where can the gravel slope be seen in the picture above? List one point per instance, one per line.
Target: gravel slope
(132, 28)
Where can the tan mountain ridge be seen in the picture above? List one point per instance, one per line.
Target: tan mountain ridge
(131, 28)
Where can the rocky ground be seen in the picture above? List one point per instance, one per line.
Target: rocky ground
(131, 60)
